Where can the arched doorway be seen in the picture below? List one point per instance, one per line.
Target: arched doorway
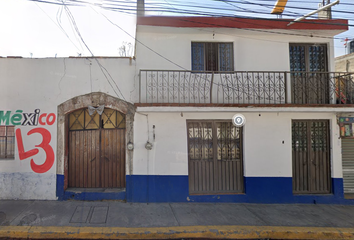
(127, 110)
(96, 149)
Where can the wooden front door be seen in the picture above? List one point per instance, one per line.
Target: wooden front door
(96, 149)
(311, 157)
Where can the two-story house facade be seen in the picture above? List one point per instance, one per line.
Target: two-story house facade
(196, 73)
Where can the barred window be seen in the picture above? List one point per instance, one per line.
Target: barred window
(7, 142)
(309, 78)
(308, 57)
(208, 56)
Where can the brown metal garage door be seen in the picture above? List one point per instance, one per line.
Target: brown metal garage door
(96, 149)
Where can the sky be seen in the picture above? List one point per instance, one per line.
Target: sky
(47, 28)
(34, 29)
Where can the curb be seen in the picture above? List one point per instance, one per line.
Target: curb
(213, 232)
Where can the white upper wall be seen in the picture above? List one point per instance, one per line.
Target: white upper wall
(52, 81)
(253, 50)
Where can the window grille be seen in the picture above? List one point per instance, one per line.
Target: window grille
(82, 120)
(310, 82)
(7, 142)
(207, 56)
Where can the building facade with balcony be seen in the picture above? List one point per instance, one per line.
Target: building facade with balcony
(196, 73)
(158, 127)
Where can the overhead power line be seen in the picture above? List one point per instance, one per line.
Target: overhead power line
(200, 10)
(58, 27)
(162, 56)
(105, 72)
(187, 8)
(133, 9)
(236, 20)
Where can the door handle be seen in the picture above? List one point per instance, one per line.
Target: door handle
(92, 159)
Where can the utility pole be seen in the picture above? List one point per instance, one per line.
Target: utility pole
(321, 9)
(327, 13)
(140, 8)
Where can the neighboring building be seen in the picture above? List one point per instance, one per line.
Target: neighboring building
(47, 132)
(174, 105)
(351, 46)
(345, 63)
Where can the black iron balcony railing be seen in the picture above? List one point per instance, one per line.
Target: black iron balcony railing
(190, 87)
(322, 88)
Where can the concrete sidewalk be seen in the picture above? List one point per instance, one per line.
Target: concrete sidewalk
(117, 220)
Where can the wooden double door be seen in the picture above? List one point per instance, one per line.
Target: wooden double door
(96, 149)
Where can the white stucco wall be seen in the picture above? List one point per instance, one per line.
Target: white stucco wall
(29, 84)
(253, 50)
(265, 154)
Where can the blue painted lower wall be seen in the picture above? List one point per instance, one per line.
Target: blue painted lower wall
(156, 188)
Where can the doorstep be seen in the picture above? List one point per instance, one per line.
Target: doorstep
(95, 194)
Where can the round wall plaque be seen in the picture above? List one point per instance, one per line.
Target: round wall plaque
(239, 120)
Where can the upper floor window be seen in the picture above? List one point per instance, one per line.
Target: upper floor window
(207, 56)
(308, 57)
(7, 142)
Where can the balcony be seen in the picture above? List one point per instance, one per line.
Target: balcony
(190, 88)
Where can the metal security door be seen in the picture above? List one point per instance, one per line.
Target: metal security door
(215, 157)
(96, 149)
(310, 153)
